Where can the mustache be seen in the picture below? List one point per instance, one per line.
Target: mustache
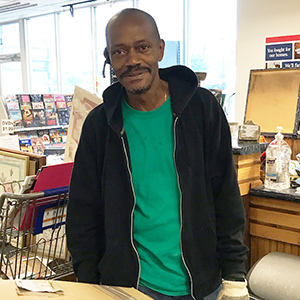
(133, 69)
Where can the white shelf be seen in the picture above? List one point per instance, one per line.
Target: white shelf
(40, 128)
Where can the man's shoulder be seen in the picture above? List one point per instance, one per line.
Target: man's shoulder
(205, 97)
(96, 115)
(96, 111)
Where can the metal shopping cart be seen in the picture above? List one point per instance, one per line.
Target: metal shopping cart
(32, 235)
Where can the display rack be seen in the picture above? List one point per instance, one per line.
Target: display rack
(32, 235)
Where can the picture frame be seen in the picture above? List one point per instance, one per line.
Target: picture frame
(36, 161)
(83, 102)
(273, 100)
(13, 169)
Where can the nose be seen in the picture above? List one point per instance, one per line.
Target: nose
(132, 57)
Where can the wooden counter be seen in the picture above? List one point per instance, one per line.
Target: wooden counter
(71, 291)
(274, 222)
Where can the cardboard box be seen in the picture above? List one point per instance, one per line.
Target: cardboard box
(25, 268)
(71, 291)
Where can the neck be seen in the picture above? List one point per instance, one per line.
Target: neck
(150, 100)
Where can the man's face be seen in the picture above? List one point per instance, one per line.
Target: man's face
(135, 50)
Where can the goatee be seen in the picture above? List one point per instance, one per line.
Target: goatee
(140, 91)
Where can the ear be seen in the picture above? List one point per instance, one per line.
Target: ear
(106, 55)
(162, 49)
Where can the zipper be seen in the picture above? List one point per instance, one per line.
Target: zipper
(181, 217)
(133, 208)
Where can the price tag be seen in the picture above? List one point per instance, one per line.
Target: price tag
(249, 132)
(7, 126)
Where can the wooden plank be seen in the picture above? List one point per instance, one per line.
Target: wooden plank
(244, 188)
(275, 203)
(274, 217)
(287, 248)
(246, 185)
(280, 246)
(261, 246)
(295, 250)
(276, 234)
(252, 171)
(248, 159)
(253, 250)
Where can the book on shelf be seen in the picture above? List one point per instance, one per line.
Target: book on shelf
(49, 101)
(69, 99)
(16, 116)
(25, 145)
(38, 110)
(60, 101)
(50, 110)
(24, 101)
(57, 136)
(27, 134)
(26, 110)
(11, 102)
(51, 118)
(63, 116)
(36, 101)
(39, 117)
(62, 110)
(13, 109)
(38, 145)
(27, 117)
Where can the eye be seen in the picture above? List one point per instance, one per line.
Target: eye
(118, 52)
(143, 47)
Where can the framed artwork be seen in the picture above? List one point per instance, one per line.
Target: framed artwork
(274, 100)
(13, 168)
(83, 102)
(36, 161)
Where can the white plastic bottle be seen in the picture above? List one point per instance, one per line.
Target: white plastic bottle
(278, 156)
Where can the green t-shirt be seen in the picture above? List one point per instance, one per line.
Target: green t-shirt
(157, 212)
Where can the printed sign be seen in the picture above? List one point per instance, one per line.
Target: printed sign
(279, 52)
(7, 126)
(283, 52)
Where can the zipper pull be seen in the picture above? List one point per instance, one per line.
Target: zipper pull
(122, 131)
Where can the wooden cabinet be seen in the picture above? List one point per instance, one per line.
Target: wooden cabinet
(248, 171)
(274, 225)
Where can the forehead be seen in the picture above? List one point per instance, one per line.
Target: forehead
(130, 28)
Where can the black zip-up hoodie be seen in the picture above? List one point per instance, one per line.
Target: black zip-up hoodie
(101, 204)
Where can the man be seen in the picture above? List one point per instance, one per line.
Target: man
(154, 200)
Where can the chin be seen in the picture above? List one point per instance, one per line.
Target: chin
(137, 89)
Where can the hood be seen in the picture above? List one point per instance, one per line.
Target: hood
(182, 81)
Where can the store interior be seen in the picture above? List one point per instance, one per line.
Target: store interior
(227, 51)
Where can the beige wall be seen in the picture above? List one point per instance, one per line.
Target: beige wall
(258, 19)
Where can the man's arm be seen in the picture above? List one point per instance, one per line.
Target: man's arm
(85, 229)
(230, 215)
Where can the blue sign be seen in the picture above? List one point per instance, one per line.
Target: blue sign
(279, 52)
(291, 64)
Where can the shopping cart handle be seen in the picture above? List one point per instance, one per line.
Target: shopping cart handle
(56, 191)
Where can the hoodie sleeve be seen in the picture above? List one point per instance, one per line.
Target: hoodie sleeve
(229, 209)
(85, 229)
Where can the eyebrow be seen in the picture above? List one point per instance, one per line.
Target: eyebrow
(137, 42)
